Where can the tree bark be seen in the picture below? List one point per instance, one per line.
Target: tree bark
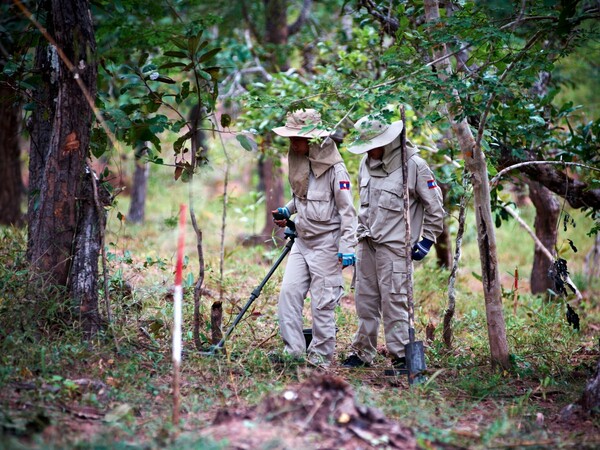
(60, 137)
(11, 185)
(88, 241)
(547, 212)
(486, 237)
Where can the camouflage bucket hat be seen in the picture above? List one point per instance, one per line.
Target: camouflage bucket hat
(303, 123)
(373, 134)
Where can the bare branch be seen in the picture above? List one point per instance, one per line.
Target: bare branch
(500, 174)
(540, 246)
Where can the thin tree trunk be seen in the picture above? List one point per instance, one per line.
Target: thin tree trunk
(60, 137)
(11, 185)
(486, 237)
(449, 313)
(272, 178)
(443, 245)
(139, 188)
(547, 212)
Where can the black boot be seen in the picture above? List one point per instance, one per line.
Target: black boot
(398, 367)
(353, 362)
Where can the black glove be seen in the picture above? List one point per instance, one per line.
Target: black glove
(420, 249)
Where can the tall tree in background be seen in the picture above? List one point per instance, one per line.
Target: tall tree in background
(64, 226)
(11, 185)
(275, 39)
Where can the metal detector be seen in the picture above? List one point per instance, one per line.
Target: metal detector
(290, 233)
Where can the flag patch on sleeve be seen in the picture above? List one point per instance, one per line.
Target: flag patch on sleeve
(431, 184)
(344, 185)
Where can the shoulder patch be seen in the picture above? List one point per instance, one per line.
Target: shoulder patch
(431, 184)
(344, 185)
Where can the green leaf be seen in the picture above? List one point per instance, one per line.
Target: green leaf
(178, 144)
(247, 144)
(170, 65)
(149, 68)
(165, 80)
(142, 59)
(185, 89)
(204, 74)
(209, 54)
(225, 120)
(538, 120)
(193, 44)
(176, 54)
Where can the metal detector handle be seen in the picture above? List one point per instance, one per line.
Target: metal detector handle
(257, 290)
(290, 229)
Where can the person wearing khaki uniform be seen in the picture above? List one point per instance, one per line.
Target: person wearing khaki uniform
(381, 268)
(326, 235)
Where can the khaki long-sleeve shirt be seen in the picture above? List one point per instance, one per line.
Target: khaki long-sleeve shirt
(327, 208)
(381, 212)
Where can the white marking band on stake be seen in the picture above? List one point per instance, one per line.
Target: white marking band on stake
(178, 294)
(178, 291)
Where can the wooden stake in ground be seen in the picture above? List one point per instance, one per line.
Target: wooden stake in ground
(177, 300)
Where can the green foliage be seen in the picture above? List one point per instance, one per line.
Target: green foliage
(147, 88)
(156, 63)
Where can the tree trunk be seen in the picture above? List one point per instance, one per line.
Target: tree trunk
(276, 34)
(139, 188)
(270, 173)
(11, 185)
(443, 246)
(272, 178)
(547, 212)
(60, 137)
(486, 237)
(84, 271)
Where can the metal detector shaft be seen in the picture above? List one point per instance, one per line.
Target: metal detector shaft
(257, 290)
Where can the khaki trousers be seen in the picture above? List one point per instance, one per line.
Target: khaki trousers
(380, 292)
(311, 266)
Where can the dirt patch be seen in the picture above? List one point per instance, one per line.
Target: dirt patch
(320, 413)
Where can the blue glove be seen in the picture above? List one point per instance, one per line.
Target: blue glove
(347, 259)
(283, 212)
(420, 249)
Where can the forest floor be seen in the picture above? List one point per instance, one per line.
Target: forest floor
(319, 412)
(311, 408)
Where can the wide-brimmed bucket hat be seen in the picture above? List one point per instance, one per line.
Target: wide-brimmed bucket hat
(303, 123)
(373, 134)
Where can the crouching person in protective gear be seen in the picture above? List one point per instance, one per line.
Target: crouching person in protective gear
(326, 235)
(381, 268)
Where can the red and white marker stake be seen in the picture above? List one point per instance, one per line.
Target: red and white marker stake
(177, 301)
